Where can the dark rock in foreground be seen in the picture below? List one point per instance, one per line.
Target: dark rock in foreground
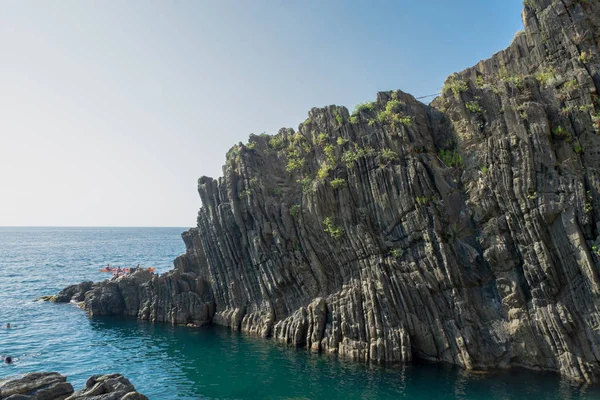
(53, 386)
(467, 231)
(37, 385)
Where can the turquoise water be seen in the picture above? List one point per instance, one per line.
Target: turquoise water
(167, 362)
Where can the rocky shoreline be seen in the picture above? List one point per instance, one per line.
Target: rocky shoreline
(53, 386)
(466, 231)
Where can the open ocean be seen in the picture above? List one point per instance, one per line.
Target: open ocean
(166, 362)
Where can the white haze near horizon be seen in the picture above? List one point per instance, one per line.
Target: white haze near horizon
(111, 110)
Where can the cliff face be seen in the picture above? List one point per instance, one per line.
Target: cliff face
(465, 231)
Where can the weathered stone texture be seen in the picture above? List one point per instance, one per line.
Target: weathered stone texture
(465, 231)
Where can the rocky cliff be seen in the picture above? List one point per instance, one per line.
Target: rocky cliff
(465, 231)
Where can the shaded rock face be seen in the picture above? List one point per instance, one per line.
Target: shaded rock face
(72, 293)
(53, 386)
(465, 231)
(178, 297)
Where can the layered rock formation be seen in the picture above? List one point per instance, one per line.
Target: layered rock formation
(465, 231)
(53, 386)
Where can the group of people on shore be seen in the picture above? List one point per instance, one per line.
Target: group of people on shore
(118, 271)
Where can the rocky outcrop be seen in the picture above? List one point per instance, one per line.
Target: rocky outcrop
(38, 385)
(466, 231)
(53, 386)
(179, 297)
(107, 387)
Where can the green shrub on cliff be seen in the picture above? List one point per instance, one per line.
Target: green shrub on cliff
(338, 116)
(305, 182)
(596, 122)
(560, 133)
(522, 110)
(294, 164)
(392, 107)
(329, 151)
(323, 172)
(391, 114)
(334, 231)
(338, 183)
(570, 85)
(588, 202)
(406, 121)
(506, 76)
(295, 210)
(545, 76)
(451, 158)
(363, 107)
(397, 252)
(276, 142)
(322, 138)
(584, 57)
(422, 201)
(295, 161)
(388, 155)
(350, 157)
(456, 86)
(473, 107)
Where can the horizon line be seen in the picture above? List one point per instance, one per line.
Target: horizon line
(90, 226)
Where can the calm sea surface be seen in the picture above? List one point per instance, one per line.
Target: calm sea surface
(167, 362)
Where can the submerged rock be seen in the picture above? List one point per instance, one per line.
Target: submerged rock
(466, 231)
(53, 386)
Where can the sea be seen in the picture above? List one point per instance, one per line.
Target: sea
(173, 362)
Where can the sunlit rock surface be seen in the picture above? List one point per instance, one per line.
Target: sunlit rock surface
(465, 231)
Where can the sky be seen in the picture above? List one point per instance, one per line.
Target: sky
(111, 110)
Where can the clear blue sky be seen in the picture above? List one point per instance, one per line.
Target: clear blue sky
(111, 110)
